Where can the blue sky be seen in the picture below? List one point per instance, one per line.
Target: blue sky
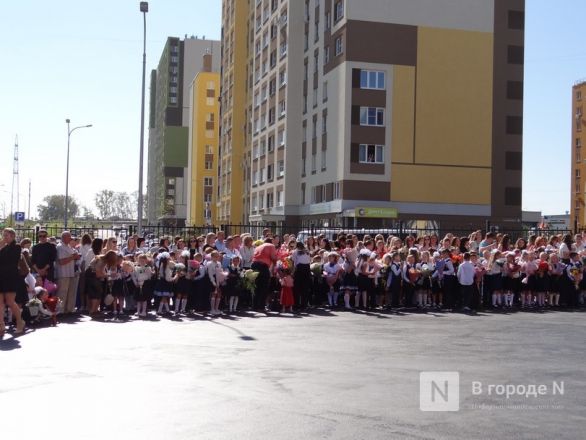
(71, 59)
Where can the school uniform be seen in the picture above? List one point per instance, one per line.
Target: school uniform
(198, 297)
(450, 283)
(394, 283)
(408, 285)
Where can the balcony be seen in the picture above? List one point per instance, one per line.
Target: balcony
(283, 21)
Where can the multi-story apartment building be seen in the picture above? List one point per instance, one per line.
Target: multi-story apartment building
(365, 111)
(203, 145)
(168, 127)
(232, 192)
(578, 190)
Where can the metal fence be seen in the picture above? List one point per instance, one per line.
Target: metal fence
(258, 231)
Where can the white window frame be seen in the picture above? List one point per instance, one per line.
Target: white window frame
(373, 83)
(363, 154)
(365, 115)
(338, 11)
(339, 46)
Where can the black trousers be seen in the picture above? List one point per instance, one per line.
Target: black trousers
(302, 285)
(467, 292)
(450, 290)
(262, 284)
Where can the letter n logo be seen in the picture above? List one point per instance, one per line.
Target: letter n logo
(439, 391)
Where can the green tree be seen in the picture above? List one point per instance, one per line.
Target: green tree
(105, 200)
(53, 208)
(123, 207)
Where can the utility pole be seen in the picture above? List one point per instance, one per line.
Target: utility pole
(15, 186)
(144, 8)
(28, 214)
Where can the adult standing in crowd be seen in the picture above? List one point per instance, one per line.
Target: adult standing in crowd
(87, 256)
(247, 251)
(9, 278)
(130, 249)
(264, 257)
(230, 251)
(302, 275)
(66, 258)
(220, 243)
(44, 255)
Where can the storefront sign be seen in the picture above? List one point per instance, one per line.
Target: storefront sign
(377, 212)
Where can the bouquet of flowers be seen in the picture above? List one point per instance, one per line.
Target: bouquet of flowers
(34, 305)
(49, 286)
(285, 263)
(249, 279)
(479, 271)
(576, 274)
(384, 272)
(414, 275)
(316, 269)
(426, 271)
(439, 266)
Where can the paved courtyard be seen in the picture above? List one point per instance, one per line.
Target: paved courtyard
(336, 375)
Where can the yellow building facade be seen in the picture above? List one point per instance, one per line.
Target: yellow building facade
(232, 173)
(203, 149)
(578, 190)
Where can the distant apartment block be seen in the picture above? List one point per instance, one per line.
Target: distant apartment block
(578, 190)
(202, 160)
(167, 181)
(363, 112)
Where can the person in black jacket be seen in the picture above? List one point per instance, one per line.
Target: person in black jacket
(9, 278)
(44, 255)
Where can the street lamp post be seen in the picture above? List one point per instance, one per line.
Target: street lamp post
(69, 131)
(144, 8)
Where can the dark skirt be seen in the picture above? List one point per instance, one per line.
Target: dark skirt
(554, 283)
(231, 288)
(512, 284)
(365, 284)
(163, 287)
(94, 287)
(436, 285)
(541, 283)
(349, 281)
(529, 284)
(118, 288)
(9, 280)
(493, 283)
(424, 284)
(145, 293)
(183, 286)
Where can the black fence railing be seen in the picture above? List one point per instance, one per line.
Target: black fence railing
(154, 232)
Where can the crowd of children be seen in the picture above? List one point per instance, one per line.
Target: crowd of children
(213, 275)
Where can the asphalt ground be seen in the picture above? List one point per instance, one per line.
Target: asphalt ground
(326, 375)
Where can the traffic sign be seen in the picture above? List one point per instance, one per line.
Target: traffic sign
(19, 217)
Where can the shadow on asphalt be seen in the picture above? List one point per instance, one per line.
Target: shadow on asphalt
(9, 344)
(241, 335)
